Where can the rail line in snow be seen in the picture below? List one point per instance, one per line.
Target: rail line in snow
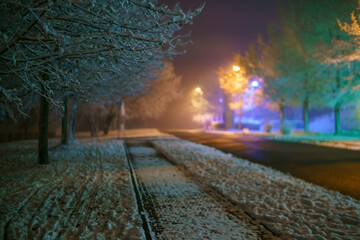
(139, 202)
(166, 189)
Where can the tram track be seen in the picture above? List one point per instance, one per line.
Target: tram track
(138, 197)
(157, 206)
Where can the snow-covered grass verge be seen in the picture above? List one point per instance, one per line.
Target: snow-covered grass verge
(328, 141)
(84, 193)
(289, 207)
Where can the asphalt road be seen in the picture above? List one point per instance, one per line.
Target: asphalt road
(333, 168)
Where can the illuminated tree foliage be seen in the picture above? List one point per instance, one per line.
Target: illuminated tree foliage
(57, 49)
(303, 63)
(235, 83)
(322, 36)
(295, 75)
(352, 29)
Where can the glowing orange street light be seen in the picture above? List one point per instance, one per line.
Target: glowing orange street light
(236, 68)
(198, 90)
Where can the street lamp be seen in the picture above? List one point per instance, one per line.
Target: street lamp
(236, 68)
(239, 82)
(254, 84)
(198, 90)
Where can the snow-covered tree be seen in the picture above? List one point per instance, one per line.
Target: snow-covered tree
(45, 46)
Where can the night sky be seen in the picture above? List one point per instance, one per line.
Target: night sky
(222, 29)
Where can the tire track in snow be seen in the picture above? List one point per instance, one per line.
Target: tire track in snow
(93, 199)
(76, 201)
(21, 206)
(27, 212)
(93, 195)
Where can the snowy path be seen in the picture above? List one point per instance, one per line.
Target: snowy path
(289, 207)
(85, 193)
(179, 209)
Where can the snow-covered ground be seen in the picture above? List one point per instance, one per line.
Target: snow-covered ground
(84, 193)
(180, 208)
(289, 207)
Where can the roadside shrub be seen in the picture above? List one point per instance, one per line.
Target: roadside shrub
(246, 130)
(268, 128)
(217, 125)
(286, 130)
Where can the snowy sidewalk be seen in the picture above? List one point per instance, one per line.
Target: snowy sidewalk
(291, 208)
(84, 193)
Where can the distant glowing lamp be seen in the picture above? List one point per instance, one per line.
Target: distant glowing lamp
(236, 68)
(198, 89)
(255, 84)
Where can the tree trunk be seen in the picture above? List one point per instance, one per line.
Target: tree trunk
(93, 124)
(26, 127)
(306, 116)
(72, 119)
(109, 118)
(239, 124)
(282, 120)
(123, 118)
(337, 105)
(337, 118)
(118, 120)
(64, 123)
(43, 130)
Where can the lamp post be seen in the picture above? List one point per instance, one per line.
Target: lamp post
(199, 94)
(237, 75)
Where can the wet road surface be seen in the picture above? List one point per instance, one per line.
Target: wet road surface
(333, 168)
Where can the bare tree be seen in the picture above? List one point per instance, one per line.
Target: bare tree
(151, 105)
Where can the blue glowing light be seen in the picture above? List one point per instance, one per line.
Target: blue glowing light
(255, 83)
